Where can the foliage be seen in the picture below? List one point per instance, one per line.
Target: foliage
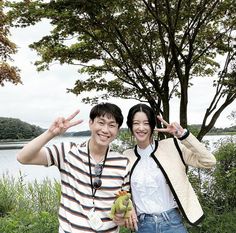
(218, 192)
(124, 141)
(217, 223)
(124, 230)
(227, 130)
(8, 73)
(79, 134)
(25, 221)
(28, 207)
(145, 50)
(232, 116)
(11, 128)
(7, 196)
(225, 176)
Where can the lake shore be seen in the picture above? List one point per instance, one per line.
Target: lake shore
(18, 144)
(10, 147)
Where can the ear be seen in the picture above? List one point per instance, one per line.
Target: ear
(90, 123)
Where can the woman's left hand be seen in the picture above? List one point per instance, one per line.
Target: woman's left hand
(172, 128)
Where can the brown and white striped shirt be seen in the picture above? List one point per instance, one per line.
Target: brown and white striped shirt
(76, 191)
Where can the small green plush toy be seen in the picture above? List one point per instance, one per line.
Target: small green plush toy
(122, 205)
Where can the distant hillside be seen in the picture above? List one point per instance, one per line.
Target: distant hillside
(15, 129)
(228, 130)
(81, 133)
(231, 129)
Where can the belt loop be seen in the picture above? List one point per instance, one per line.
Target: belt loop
(168, 217)
(165, 216)
(141, 217)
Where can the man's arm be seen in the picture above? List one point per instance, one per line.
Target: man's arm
(34, 152)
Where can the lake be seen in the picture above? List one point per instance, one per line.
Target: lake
(11, 167)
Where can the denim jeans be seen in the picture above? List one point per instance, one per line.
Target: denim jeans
(166, 222)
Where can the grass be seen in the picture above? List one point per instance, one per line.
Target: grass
(28, 207)
(33, 208)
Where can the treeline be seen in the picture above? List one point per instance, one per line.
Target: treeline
(228, 130)
(78, 134)
(223, 130)
(15, 129)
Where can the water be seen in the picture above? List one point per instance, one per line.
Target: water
(10, 166)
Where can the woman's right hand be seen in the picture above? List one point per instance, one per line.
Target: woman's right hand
(61, 124)
(132, 221)
(172, 128)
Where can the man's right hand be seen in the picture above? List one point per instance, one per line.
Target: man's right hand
(61, 124)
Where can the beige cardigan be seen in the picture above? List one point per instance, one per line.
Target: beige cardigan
(173, 156)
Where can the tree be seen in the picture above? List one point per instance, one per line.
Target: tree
(8, 73)
(11, 128)
(148, 50)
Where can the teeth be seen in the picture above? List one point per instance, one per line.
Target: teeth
(141, 133)
(103, 137)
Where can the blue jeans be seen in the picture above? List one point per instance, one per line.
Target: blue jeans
(166, 222)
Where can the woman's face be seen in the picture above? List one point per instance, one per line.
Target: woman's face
(141, 129)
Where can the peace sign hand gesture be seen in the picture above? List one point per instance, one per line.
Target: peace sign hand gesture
(61, 124)
(173, 128)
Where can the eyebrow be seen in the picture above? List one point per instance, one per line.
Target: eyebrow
(113, 121)
(140, 120)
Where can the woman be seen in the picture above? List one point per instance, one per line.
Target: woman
(159, 184)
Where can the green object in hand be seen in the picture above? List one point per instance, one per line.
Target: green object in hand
(122, 205)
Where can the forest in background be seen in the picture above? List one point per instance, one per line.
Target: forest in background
(15, 129)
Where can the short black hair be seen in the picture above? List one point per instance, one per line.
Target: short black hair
(109, 110)
(141, 108)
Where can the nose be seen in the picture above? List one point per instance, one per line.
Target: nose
(105, 128)
(141, 126)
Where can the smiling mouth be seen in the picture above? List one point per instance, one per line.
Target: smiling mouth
(103, 137)
(141, 133)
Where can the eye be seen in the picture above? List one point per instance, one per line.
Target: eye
(100, 122)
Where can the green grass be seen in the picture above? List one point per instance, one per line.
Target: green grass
(33, 208)
(28, 207)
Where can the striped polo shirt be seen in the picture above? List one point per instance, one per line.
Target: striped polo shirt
(76, 193)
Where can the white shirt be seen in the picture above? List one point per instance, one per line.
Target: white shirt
(151, 193)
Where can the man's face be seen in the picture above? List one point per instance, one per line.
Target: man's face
(103, 130)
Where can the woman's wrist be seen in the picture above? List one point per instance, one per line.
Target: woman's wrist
(183, 134)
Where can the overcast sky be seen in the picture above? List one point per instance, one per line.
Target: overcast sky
(43, 95)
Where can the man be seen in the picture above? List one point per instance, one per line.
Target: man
(91, 175)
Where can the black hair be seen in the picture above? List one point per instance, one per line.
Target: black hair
(109, 110)
(141, 108)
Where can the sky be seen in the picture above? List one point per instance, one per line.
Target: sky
(43, 96)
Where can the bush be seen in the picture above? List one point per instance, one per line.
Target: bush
(7, 196)
(30, 207)
(30, 222)
(218, 196)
